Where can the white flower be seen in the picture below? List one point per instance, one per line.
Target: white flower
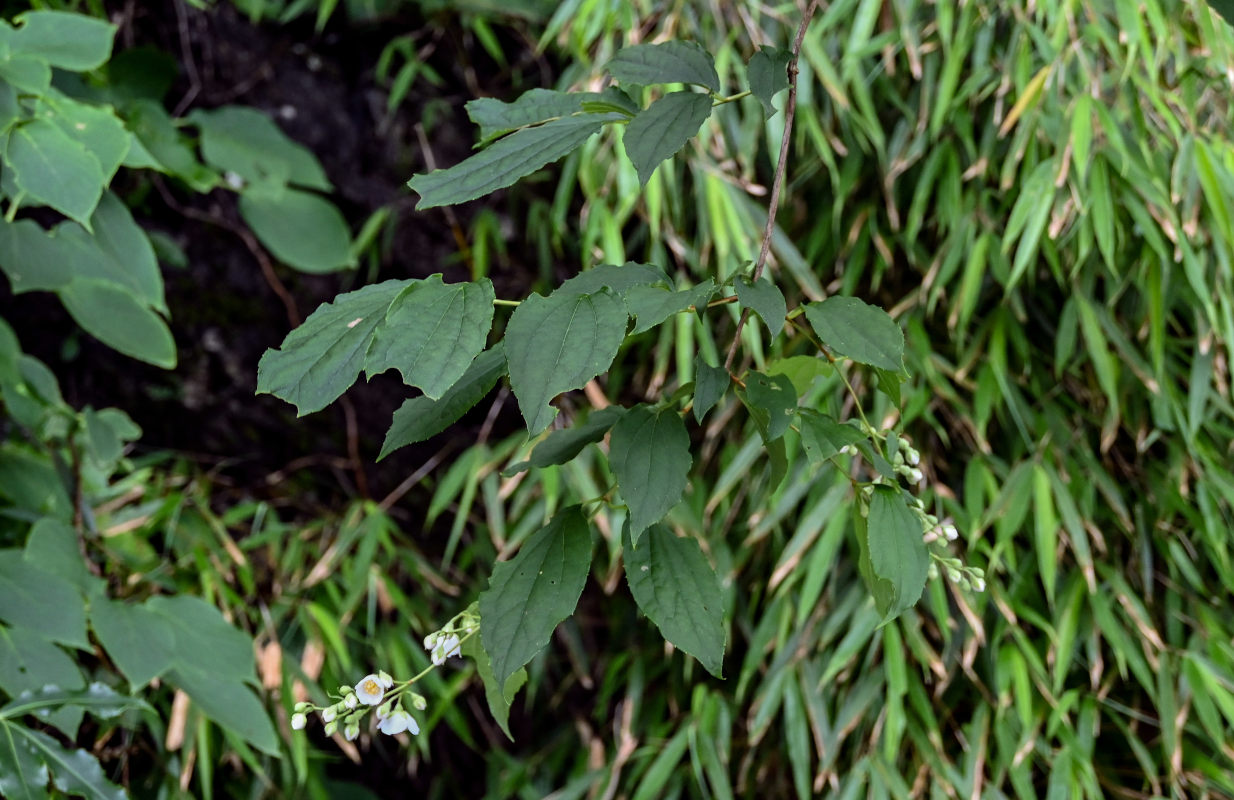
(351, 701)
(298, 721)
(370, 690)
(397, 722)
(446, 647)
(329, 714)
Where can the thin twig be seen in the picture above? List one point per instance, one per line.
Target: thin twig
(777, 183)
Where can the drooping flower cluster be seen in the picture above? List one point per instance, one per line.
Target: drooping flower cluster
(447, 642)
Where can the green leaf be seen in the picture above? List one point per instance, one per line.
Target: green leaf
(803, 371)
(53, 547)
(27, 74)
(421, 417)
(74, 772)
(771, 401)
(678, 590)
(75, 42)
(41, 601)
(23, 776)
(764, 299)
(496, 117)
(897, 552)
(565, 444)
(247, 142)
(433, 332)
(768, 75)
(125, 254)
(508, 159)
(621, 278)
(229, 703)
(28, 662)
(117, 318)
(823, 437)
(652, 305)
(710, 384)
(96, 129)
(667, 62)
(204, 640)
(141, 643)
(107, 432)
(322, 358)
(301, 229)
(32, 259)
(54, 169)
(98, 698)
(1030, 215)
(156, 132)
(889, 383)
(650, 455)
(531, 594)
(862, 332)
(659, 131)
(558, 343)
(499, 698)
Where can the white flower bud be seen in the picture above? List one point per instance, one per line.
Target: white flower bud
(298, 721)
(331, 728)
(329, 714)
(914, 458)
(978, 584)
(303, 707)
(430, 641)
(951, 533)
(418, 702)
(351, 732)
(932, 572)
(351, 701)
(916, 476)
(384, 678)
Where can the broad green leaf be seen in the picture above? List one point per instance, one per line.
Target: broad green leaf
(204, 640)
(650, 455)
(678, 590)
(768, 75)
(667, 62)
(247, 142)
(156, 132)
(53, 546)
(663, 128)
(506, 160)
(499, 698)
(764, 299)
(32, 259)
(96, 129)
(433, 331)
(141, 643)
(301, 229)
(99, 699)
(117, 318)
(862, 332)
(621, 278)
(897, 551)
(889, 384)
(528, 596)
(29, 663)
(41, 601)
(803, 371)
(652, 305)
(710, 384)
(10, 354)
(75, 42)
(23, 776)
(26, 73)
(771, 401)
(823, 437)
(54, 169)
(533, 106)
(125, 253)
(10, 110)
(322, 358)
(107, 432)
(421, 417)
(565, 444)
(227, 702)
(558, 343)
(74, 772)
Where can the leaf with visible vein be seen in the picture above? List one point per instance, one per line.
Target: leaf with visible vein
(663, 128)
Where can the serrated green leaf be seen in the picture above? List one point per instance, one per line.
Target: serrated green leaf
(897, 551)
(558, 343)
(54, 169)
(678, 591)
(652, 305)
(421, 417)
(531, 594)
(765, 299)
(496, 117)
(23, 776)
(649, 452)
(41, 601)
(660, 130)
(771, 401)
(506, 160)
(823, 437)
(75, 42)
(301, 229)
(860, 331)
(322, 358)
(768, 75)
(667, 62)
(499, 698)
(247, 142)
(563, 445)
(433, 331)
(618, 277)
(710, 384)
(141, 643)
(116, 317)
(803, 371)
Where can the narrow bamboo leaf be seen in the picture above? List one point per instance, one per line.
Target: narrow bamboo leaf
(433, 331)
(508, 159)
(23, 775)
(771, 401)
(710, 384)
(499, 698)
(1045, 530)
(1225, 8)
(678, 591)
(1030, 214)
(768, 75)
(563, 445)
(823, 437)
(303, 230)
(531, 594)
(43, 602)
(74, 772)
(558, 343)
(860, 331)
(76, 42)
(421, 417)
(496, 117)
(115, 316)
(667, 62)
(663, 128)
(898, 554)
(652, 305)
(53, 169)
(322, 358)
(650, 456)
(765, 299)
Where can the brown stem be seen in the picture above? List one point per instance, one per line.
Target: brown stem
(781, 166)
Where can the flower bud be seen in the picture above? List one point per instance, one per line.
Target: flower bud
(418, 702)
(951, 533)
(351, 701)
(385, 680)
(303, 707)
(331, 728)
(298, 721)
(978, 584)
(345, 690)
(329, 714)
(351, 732)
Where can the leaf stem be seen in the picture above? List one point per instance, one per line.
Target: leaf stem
(499, 302)
(731, 98)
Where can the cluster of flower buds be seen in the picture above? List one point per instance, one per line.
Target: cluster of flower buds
(972, 578)
(374, 691)
(447, 642)
(905, 462)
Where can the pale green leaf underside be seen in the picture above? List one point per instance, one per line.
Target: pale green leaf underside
(663, 128)
(667, 62)
(75, 772)
(650, 455)
(860, 331)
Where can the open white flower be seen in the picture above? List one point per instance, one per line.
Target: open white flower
(446, 647)
(298, 721)
(397, 722)
(370, 690)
